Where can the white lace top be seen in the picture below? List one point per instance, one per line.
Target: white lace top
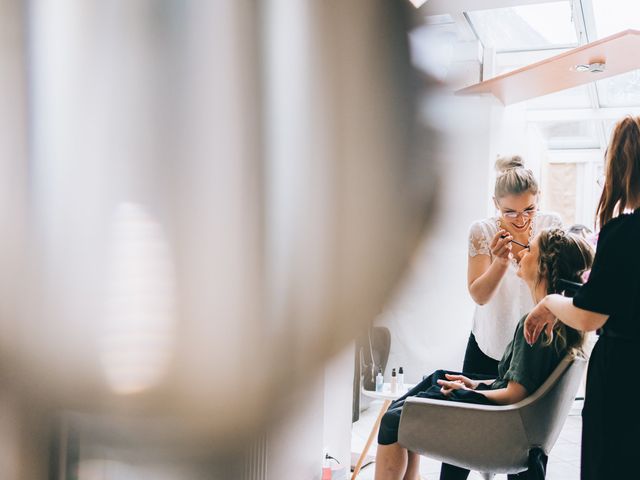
(495, 322)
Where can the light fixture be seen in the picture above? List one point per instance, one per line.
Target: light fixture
(596, 67)
(418, 3)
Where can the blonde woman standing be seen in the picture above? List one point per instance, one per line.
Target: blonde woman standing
(495, 247)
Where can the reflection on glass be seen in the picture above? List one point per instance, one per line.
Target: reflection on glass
(620, 91)
(613, 16)
(137, 334)
(568, 135)
(525, 27)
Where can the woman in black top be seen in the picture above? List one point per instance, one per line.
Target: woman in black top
(609, 302)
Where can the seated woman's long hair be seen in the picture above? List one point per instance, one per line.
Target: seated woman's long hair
(563, 256)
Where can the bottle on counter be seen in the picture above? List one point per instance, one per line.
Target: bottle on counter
(400, 379)
(379, 381)
(394, 381)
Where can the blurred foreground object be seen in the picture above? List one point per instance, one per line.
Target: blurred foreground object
(201, 202)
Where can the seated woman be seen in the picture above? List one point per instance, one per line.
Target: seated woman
(554, 255)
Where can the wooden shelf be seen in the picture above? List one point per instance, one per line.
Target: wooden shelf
(618, 52)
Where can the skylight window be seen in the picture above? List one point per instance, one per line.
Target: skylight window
(613, 16)
(570, 135)
(525, 27)
(620, 91)
(577, 97)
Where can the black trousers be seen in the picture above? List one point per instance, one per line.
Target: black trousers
(476, 361)
(427, 388)
(610, 429)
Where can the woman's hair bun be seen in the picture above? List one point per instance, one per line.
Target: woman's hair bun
(507, 163)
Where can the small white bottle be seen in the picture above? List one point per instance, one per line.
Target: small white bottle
(379, 381)
(400, 380)
(394, 381)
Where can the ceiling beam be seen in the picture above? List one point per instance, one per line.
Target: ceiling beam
(617, 52)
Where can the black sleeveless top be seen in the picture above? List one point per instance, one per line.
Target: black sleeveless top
(613, 287)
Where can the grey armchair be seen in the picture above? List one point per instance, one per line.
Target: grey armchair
(492, 439)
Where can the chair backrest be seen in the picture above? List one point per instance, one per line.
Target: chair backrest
(552, 402)
(492, 438)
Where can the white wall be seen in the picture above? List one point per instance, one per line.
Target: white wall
(430, 317)
(321, 422)
(294, 447)
(338, 396)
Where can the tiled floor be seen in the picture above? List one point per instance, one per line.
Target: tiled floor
(564, 461)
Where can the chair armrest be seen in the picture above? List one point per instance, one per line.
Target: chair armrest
(478, 437)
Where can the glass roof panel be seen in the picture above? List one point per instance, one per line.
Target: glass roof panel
(620, 91)
(568, 135)
(576, 97)
(525, 27)
(613, 16)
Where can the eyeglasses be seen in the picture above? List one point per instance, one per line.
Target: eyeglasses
(528, 213)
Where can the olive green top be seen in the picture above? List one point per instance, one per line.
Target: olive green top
(527, 365)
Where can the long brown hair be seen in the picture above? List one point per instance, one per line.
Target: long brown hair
(563, 256)
(622, 171)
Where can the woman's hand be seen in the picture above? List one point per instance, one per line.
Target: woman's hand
(501, 247)
(471, 384)
(449, 386)
(484, 272)
(539, 319)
